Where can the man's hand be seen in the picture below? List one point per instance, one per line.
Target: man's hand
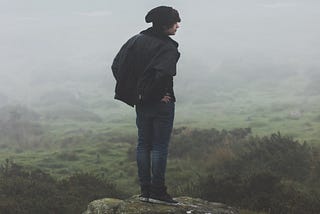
(166, 99)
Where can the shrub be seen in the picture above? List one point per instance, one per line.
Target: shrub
(33, 191)
(271, 174)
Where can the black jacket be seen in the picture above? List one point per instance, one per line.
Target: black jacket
(144, 68)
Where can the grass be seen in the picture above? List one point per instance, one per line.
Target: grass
(265, 111)
(101, 147)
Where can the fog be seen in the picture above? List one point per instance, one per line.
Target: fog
(247, 99)
(53, 45)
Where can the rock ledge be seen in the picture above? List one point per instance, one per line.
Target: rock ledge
(132, 205)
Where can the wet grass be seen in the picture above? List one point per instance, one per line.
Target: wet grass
(101, 147)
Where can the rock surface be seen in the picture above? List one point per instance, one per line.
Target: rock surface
(132, 205)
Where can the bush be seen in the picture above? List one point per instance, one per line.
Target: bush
(272, 174)
(191, 143)
(33, 191)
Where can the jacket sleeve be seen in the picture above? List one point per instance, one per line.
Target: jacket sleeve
(115, 66)
(119, 61)
(120, 58)
(160, 70)
(165, 62)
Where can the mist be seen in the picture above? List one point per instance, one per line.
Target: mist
(49, 43)
(248, 55)
(247, 103)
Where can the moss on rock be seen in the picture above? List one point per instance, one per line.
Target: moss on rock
(132, 205)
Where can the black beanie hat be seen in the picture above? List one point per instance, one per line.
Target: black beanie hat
(163, 16)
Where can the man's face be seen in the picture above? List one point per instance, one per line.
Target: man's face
(172, 30)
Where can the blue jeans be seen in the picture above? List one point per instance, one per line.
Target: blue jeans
(154, 122)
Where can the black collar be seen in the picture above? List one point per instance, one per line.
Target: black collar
(159, 34)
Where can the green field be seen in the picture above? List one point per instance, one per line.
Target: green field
(85, 127)
(62, 133)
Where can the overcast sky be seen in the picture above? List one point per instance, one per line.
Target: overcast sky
(38, 37)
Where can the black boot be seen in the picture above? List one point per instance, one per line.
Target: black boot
(145, 193)
(159, 195)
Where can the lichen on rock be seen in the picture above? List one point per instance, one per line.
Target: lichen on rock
(187, 205)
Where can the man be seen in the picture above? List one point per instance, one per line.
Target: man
(144, 70)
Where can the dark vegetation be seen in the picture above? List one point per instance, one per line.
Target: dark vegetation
(33, 191)
(274, 174)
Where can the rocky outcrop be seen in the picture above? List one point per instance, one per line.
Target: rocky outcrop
(132, 205)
